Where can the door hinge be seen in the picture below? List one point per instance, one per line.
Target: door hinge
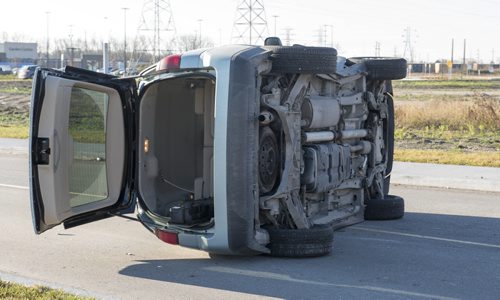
(42, 151)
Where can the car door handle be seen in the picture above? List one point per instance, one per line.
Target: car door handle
(42, 151)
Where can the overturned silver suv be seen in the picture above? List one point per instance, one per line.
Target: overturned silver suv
(233, 150)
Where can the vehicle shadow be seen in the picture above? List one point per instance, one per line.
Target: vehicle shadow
(421, 256)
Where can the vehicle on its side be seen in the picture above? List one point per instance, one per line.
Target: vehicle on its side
(26, 72)
(233, 150)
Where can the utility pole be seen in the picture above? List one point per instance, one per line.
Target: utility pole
(288, 37)
(71, 48)
(275, 17)
(47, 13)
(125, 40)
(452, 48)
(377, 49)
(464, 62)
(324, 32)
(331, 35)
(199, 31)
(450, 64)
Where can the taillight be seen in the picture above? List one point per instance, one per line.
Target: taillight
(171, 62)
(168, 237)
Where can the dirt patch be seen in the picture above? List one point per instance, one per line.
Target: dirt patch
(21, 84)
(465, 144)
(13, 102)
(19, 103)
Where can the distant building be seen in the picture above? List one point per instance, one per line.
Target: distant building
(22, 53)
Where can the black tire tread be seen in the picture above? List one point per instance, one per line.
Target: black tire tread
(303, 60)
(389, 137)
(316, 241)
(383, 68)
(390, 208)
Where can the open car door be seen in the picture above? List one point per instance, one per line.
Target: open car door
(81, 147)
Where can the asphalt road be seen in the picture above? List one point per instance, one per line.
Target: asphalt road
(447, 246)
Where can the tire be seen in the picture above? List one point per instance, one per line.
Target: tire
(312, 242)
(389, 137)
(383, 68)
(390, 208)
(303, 60)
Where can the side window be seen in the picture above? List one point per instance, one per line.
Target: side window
(87, 129)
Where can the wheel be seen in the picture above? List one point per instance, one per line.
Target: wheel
(383, 68)
(268, 160)
(315, 241)
(390, 208)
(303, 60)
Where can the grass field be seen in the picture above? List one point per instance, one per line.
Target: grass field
(14, 124)
(459, 126)
(17, 291)
(478, 115)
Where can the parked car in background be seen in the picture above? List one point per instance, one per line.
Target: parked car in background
(26, 72)
(235, 150)
(5, 70)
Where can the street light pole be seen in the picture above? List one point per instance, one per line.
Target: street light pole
(125, 40)
(199, 31)
(47, 14)
(275, 17)
(331, 35)
(71, 48)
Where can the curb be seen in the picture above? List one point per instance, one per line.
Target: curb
(485, 179)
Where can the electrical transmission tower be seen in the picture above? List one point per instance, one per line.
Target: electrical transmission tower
(250, 23)
(288, 36)
(409, 40)
(156, 32)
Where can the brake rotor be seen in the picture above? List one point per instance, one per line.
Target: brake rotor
(268, 160)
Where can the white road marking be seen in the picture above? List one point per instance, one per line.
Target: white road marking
(20, 187)
(288, 278)
(427, 237)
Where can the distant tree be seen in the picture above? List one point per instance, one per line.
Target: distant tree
(192, 41)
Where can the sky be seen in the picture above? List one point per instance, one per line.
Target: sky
(356, 25)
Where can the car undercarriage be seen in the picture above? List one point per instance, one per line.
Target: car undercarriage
(325, 145)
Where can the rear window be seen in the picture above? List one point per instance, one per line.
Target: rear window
(87, 127)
